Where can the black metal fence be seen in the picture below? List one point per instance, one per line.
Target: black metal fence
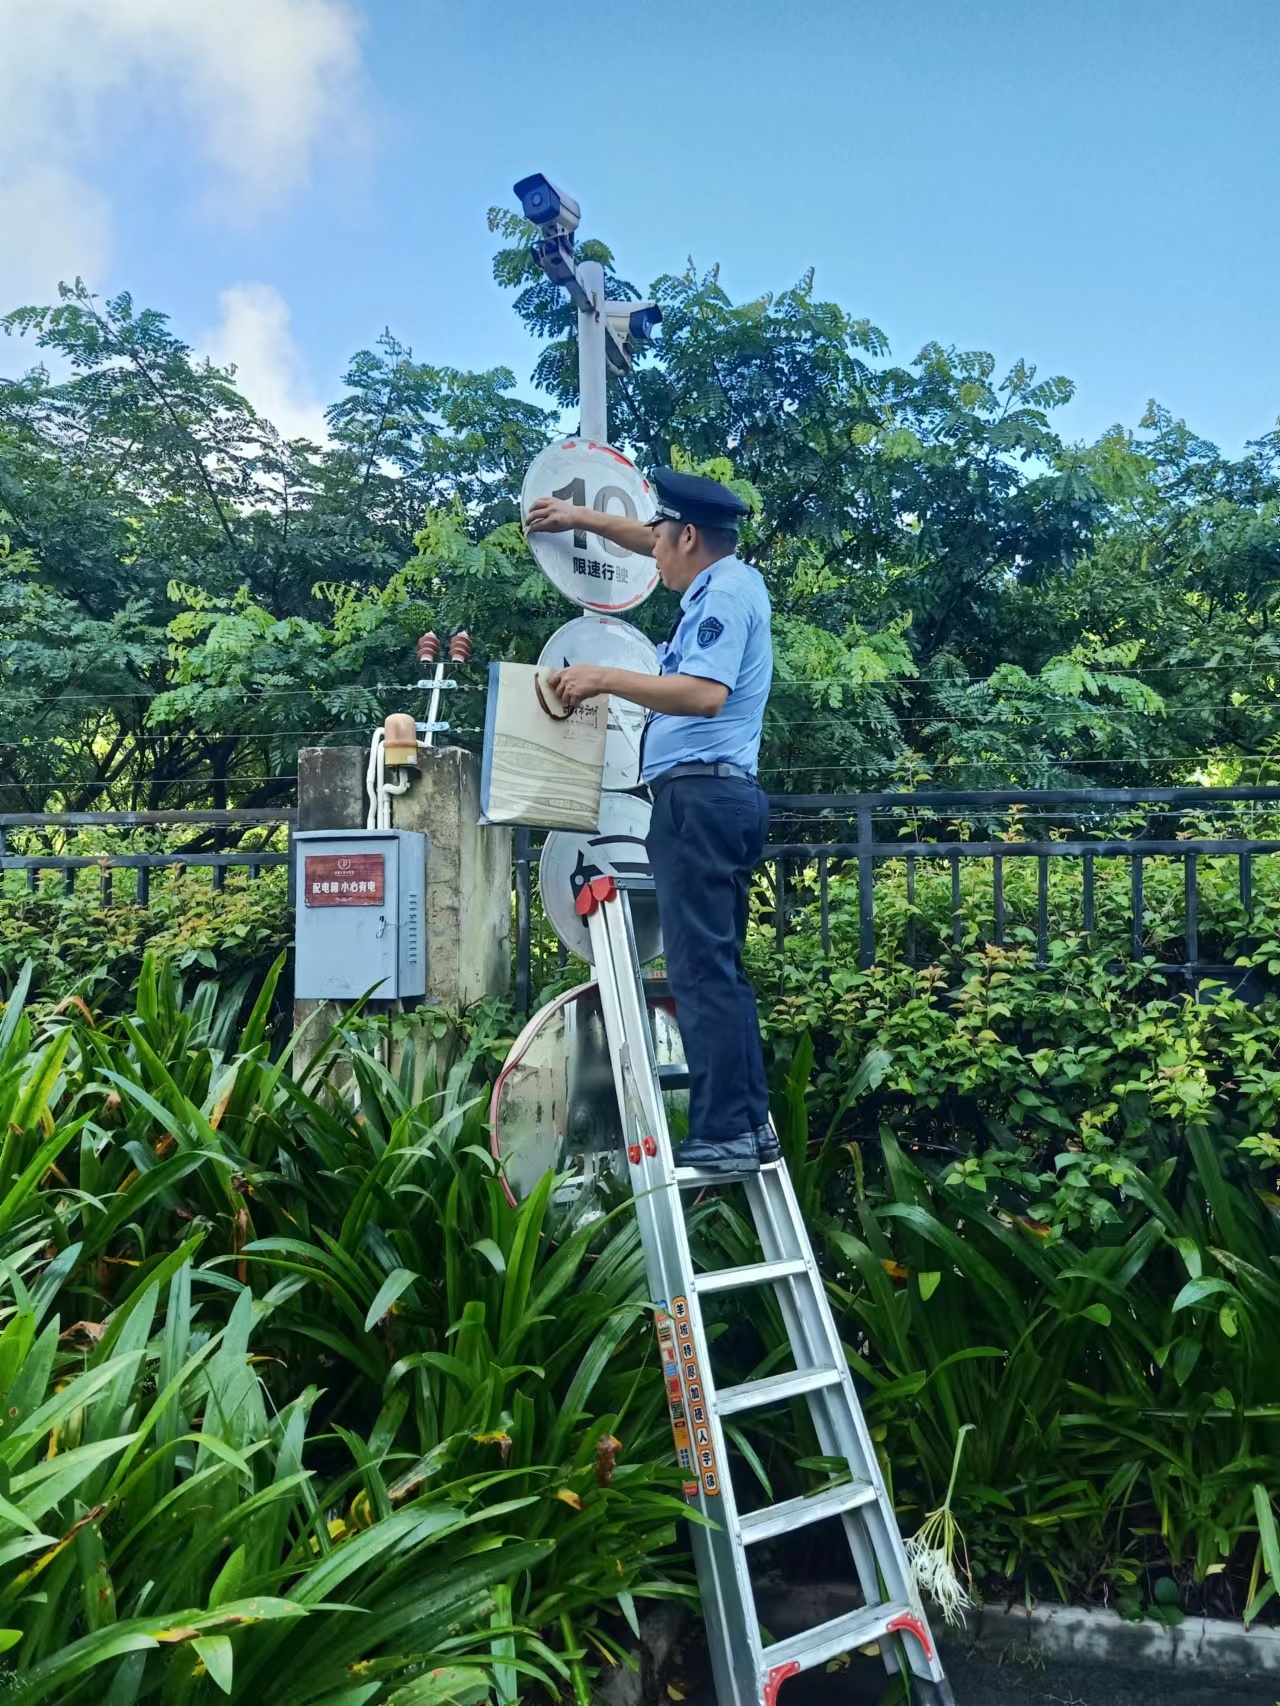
(818, 839)
(211, 831)
(864, 833)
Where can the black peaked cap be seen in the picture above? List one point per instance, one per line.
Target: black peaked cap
(700, 502)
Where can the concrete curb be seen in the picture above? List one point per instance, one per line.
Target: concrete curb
(1079, 1634)
(1105, 1638)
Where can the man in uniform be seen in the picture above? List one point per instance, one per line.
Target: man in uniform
(710, 816)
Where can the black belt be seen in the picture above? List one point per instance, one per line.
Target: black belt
(717, 768)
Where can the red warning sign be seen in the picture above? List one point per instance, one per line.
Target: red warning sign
(344, 879)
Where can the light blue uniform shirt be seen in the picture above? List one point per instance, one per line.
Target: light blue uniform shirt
(722, 636)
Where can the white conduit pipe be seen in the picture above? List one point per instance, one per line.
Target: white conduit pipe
(373, 778)
(384, 799)
(378, 789)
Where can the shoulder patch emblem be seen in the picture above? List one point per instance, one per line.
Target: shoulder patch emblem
(709, 631)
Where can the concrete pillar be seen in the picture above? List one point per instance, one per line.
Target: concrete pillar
(468, 879)
(468, 902)
(331, 787)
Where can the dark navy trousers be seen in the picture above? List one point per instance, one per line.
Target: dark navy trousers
(705, 837)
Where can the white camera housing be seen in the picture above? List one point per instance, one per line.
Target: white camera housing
(550, 209)
(630, 324)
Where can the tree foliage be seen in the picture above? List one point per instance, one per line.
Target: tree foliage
(960, 594)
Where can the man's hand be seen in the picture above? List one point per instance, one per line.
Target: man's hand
(554, 515)
(676, 695)
(551, 515)
(581, 680)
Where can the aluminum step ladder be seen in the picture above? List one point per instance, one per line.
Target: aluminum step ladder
(748, 1673)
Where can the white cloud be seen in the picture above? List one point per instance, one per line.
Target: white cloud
(250, 87)
(254, 333)
(54, 226)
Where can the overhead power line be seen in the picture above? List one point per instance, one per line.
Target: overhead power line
(815, 683)
(1068, 763)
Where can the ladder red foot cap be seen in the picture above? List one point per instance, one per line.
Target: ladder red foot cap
(914, 1625)
(775, 1679)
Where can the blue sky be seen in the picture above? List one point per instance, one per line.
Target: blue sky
(1090, 185)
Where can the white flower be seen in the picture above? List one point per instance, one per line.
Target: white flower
(931, 1552)
(930, 1555)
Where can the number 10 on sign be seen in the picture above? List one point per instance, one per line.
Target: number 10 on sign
(587, 569)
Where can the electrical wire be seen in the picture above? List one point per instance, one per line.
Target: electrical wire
(75, 785)
(900, 816)
(815, 683)
(377, 688)
(361, 729)
(1068, 763)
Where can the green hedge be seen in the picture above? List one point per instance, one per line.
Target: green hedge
(78, 946)
(1049, 1200)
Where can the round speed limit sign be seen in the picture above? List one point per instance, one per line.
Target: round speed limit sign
(590, 570)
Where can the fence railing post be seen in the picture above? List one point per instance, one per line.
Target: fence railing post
(824, 907)
(1191, 895)
(781, 868)
(1088, 919)
(997, 900)
(866, 887)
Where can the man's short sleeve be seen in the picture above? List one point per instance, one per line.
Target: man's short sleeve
(714, 638)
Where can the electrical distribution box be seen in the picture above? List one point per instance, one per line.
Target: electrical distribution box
(360, 914)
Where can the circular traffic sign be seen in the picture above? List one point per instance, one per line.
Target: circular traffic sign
(590, 570)
(570, 858)
(554, 1106)
(614, 644)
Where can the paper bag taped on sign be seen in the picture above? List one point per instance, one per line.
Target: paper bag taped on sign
(541, 766)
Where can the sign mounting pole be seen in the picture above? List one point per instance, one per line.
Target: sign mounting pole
(608, 332)
(594, 418)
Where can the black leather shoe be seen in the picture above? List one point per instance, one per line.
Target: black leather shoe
(733, 1155)
(767, 1146)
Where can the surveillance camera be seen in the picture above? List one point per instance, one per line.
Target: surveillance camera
(633, 322)
(546, 206)
(617, 350)
(643, 321)
(555, 256)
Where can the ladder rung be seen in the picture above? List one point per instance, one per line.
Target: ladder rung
(686, 1177)
(808, 1508)
(755, 1394)
(828, 1640)
(756, 1273)
(673, 1077)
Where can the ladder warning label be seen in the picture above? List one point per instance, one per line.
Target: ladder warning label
(686, 1399)
(675, 1393)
